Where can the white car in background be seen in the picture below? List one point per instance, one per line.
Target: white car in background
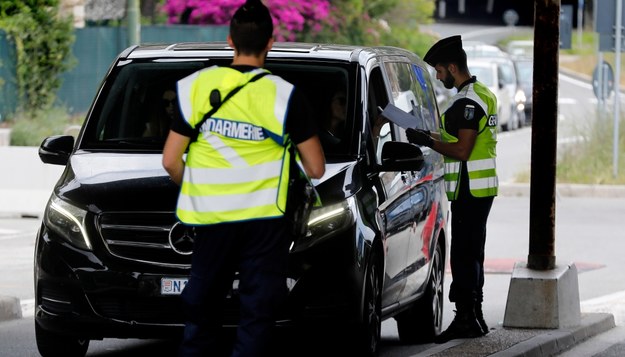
(499, 75)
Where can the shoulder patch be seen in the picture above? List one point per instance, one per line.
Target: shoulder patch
(469, 112)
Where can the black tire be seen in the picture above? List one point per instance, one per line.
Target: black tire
(424, 320)
(52, 344)
(368, 331)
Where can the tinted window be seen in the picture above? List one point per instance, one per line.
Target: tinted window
(507, 73)
(483, 74)
(134, 110)
(413, 93)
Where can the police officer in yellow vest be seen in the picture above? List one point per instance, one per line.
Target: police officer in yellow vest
(234, 186)
(467, 139)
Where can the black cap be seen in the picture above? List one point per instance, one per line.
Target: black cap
(444, 50)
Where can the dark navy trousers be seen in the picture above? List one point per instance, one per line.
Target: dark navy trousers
(258, 250)
(468, 237)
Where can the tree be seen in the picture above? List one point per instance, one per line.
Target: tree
(290, 17)
(43, 47)
(356, 22)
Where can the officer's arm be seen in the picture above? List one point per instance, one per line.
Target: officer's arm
(460, 150)
(312, 156)
(173, 151)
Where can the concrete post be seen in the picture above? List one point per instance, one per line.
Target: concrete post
(541, 294)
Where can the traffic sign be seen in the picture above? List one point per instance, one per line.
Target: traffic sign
(603, 80)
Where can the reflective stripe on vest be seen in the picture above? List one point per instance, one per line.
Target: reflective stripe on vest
(237, 169)
(481, 166)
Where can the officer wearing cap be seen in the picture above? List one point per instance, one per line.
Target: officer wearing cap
(467, 139)
(234, 185)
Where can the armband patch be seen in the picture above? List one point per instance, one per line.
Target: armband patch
(469, 112)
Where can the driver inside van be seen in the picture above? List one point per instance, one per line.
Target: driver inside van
(161, 116)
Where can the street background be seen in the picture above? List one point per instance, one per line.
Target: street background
(589, 233)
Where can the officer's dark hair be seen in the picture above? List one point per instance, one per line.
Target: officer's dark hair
(458, 58)
(251, 28)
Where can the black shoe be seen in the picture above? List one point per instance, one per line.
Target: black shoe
(463, 326)
(483, 325)
(480, 318)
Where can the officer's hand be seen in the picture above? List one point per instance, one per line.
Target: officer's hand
(419, 137)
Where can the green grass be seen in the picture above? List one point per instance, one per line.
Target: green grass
(589, 161)
(26, 131)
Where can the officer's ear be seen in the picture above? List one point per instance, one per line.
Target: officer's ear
(269, 44)
(229, 39)
(452, 68)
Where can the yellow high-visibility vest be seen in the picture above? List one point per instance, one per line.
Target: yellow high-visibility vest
(238, 168)
(481, 165)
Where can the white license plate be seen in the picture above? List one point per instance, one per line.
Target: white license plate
(173, 286)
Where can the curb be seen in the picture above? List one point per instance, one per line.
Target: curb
(557, 341)
(512, 342)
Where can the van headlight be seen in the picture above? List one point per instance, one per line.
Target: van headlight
(68, 222)
(329, 220)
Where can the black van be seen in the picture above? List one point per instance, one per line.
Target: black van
(111, 258)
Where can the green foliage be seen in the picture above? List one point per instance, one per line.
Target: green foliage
(43, 48)
(590, 160)
(30, 131)
(378, 22)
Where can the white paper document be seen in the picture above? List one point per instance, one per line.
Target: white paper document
(399, 117)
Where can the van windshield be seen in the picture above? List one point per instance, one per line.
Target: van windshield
(139, 100)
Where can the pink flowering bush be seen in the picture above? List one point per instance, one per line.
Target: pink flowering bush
(291, 17)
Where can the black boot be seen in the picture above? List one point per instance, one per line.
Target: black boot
(464, 325)
(480, 317)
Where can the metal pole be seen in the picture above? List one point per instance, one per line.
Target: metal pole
(580, 16)
(600, 77)
(544, 135)
(133, 17)
(617, 80)
(602, 85)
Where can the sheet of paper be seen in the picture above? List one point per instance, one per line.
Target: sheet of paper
(398, 116)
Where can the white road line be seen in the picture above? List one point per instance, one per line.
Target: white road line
(577, 82)
(612, 303)
(565, 100)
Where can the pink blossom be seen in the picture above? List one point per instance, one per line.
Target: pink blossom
(290, 17)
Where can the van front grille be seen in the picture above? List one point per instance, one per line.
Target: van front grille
(141, 236)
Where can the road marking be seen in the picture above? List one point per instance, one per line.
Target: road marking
(577, 82)
(565, 100)
(506, 266)
(613, 303)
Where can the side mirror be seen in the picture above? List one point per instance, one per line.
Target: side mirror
(56, 149)
(400, 156)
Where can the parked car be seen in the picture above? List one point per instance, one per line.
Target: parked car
(112, 259)
(479, 49)
(525, 75)
(499, 75)
(520, 48)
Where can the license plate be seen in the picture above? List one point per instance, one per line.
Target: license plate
(173, 286)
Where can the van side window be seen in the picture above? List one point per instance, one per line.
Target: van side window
(379, 128)
(413, 93)
(426, 92)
